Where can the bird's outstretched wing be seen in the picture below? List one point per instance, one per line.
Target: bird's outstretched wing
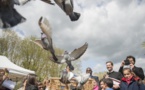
(39, 43)
(45, 27)
(77, 53)
(48, 1)
(82, 80)
(20, 2)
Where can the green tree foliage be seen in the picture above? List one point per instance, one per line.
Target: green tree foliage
(25, 53)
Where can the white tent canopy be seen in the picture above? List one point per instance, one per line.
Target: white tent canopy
(14, 70)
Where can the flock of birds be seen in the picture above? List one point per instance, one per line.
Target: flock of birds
(9, 17)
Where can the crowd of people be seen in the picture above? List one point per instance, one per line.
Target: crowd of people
(128, 77)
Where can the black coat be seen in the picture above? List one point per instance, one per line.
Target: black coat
(116, 75)
(137, 70)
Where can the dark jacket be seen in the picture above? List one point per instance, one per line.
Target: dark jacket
(95, 78)
(116, 75)
(137, 70)
(133, 85)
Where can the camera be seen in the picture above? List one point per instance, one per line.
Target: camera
(127, 62)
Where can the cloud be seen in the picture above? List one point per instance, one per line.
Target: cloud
(113, 28)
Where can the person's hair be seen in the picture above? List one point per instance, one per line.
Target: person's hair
(31, 79)
(71, 68)
(131, 57)
(108, 82)
(100, 84)
(88, 68)
(127, 69)
(110, 62)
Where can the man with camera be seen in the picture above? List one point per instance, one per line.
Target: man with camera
(130, 61)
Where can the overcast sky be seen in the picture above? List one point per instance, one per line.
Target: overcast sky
(112, 28)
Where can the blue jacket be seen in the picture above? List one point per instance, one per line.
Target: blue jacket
(134, 85)
(109, 89)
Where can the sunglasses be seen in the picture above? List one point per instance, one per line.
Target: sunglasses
(88, 70)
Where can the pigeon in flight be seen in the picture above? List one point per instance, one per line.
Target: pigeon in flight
(67, 77)
(81, 80)
(68, 58)
(9, 17)
(46, 41)
(67, 7)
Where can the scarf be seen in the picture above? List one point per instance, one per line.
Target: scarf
(128, 80)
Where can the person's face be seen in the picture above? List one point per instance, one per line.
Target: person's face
(94, 83)
(47, 82)
(67, 68)
(127, 74)
(109, 67)
(131, 61)
(40, 88)
(88, 70)
(2, 72)
(102, 85)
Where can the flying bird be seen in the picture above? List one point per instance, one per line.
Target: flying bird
(81, 80)
(69, 57)
(9, 16)
(67, 77)
(67, 7)
(46, 41)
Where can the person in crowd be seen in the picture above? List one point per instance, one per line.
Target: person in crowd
(106, 84)
(40, 85)
(95, 84)
(89, 70)
(113, 74)
(101, 84)
(137, 70)
(30, 83)
(3, 76)
(131, 82)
